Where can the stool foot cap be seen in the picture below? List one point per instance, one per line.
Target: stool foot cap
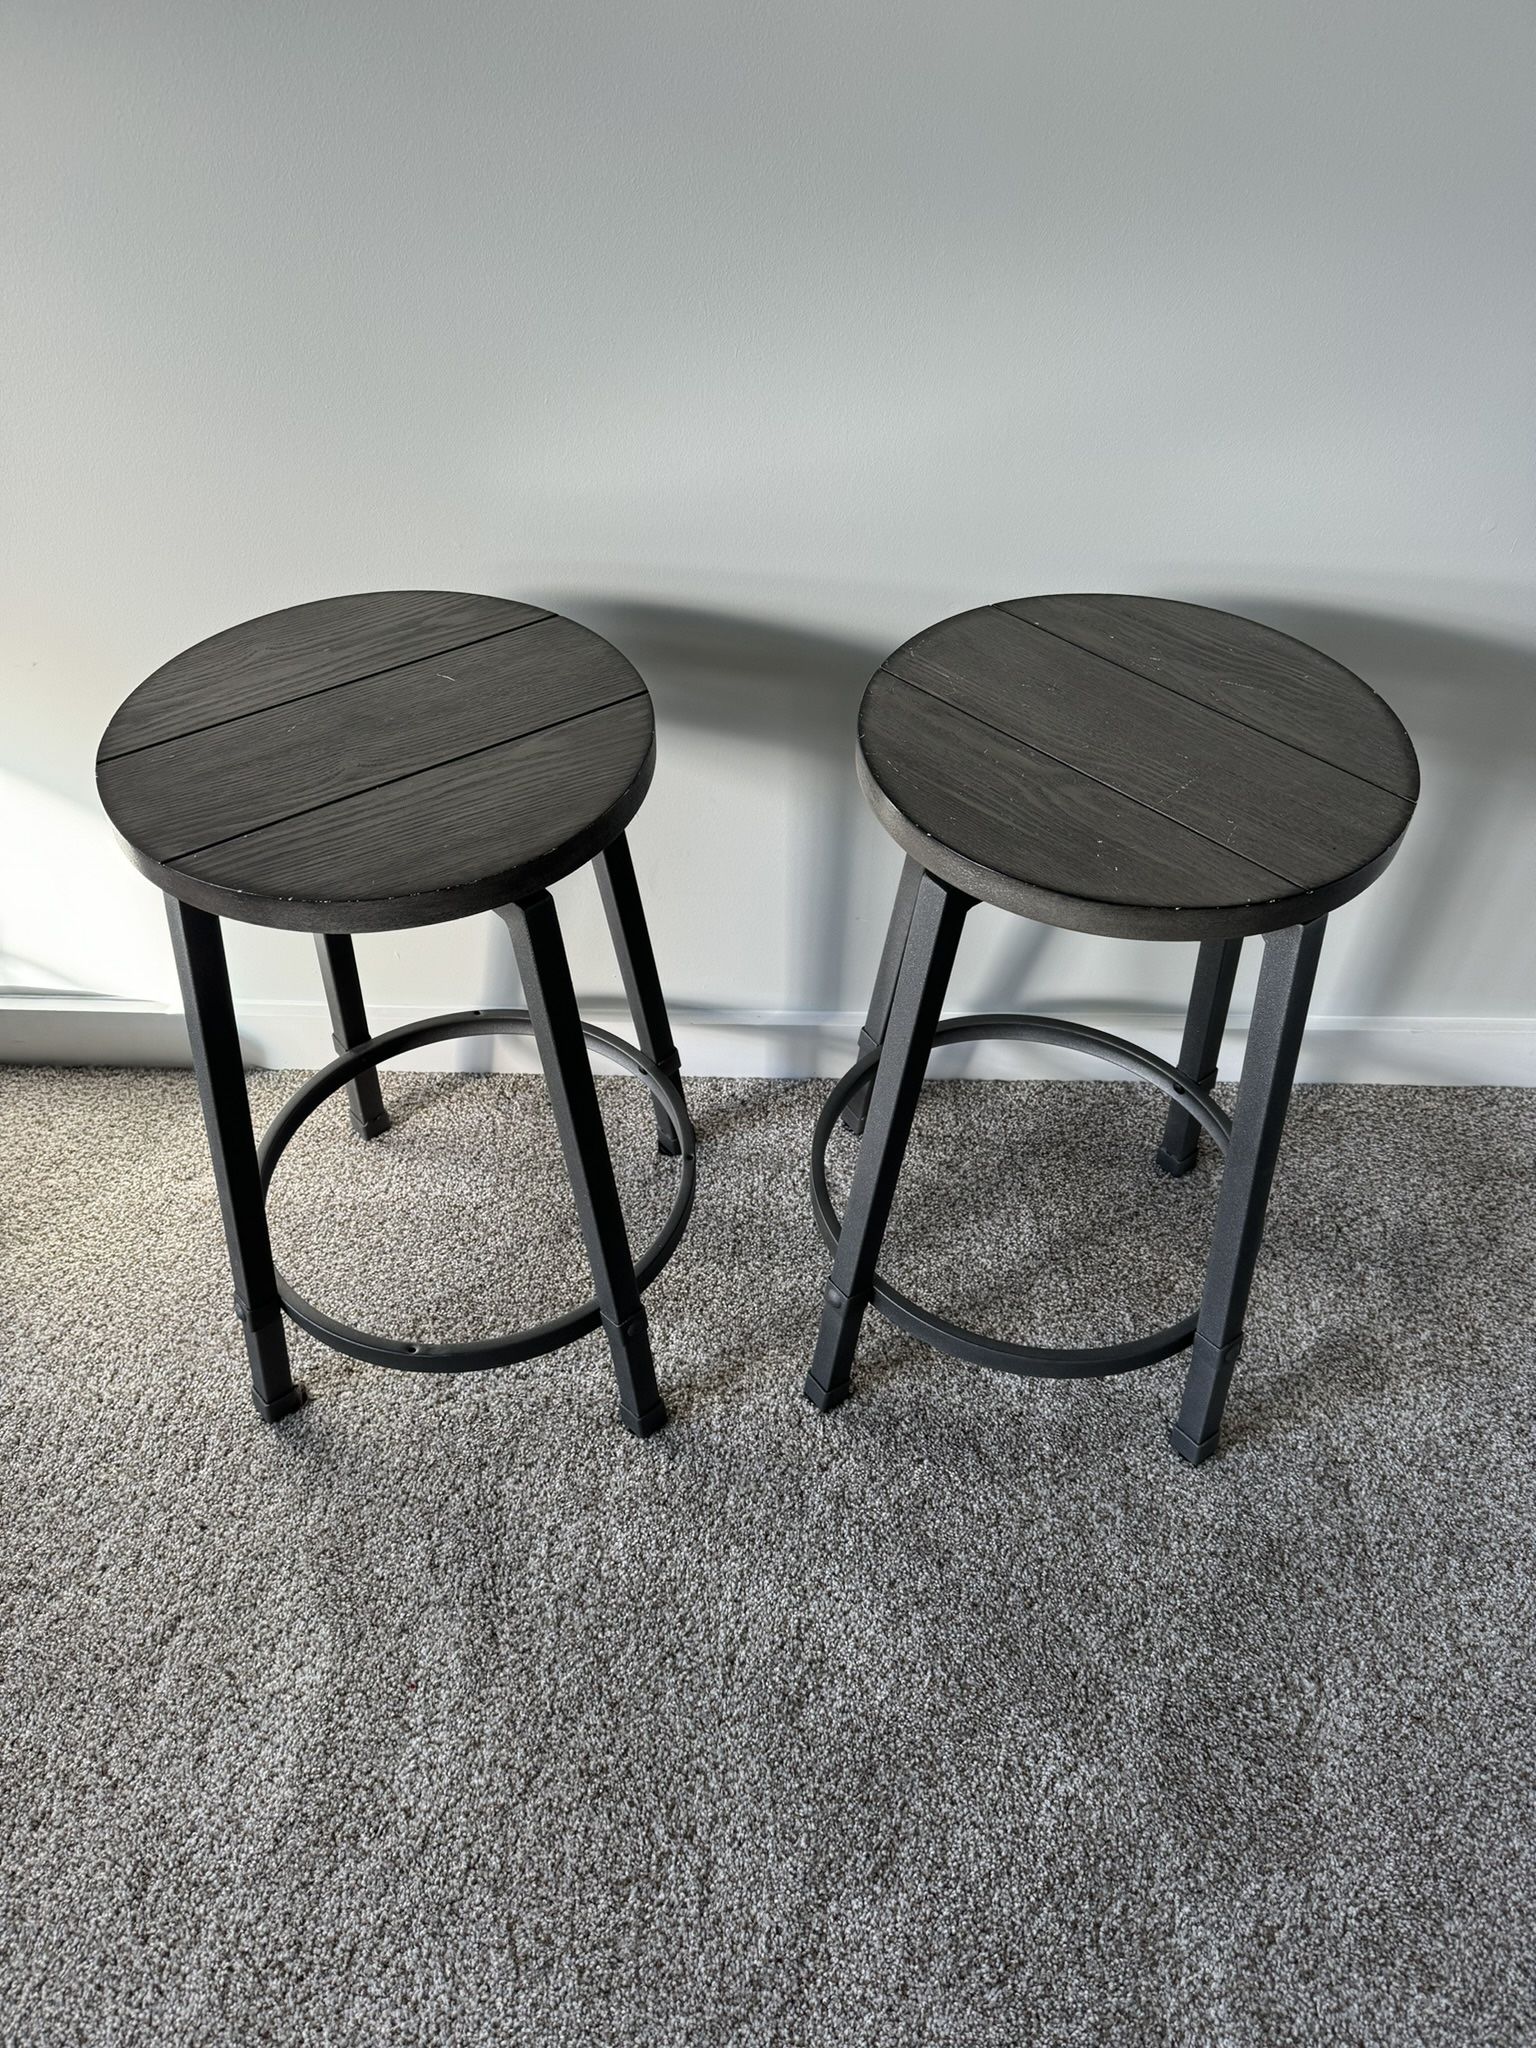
(856, 1111)
(373, 1126)
(1191, 1452)
(670, 1066)
(1174, 1165)
(830, 1378)
(825, 1398)
(647, 1424)
(281, 1404)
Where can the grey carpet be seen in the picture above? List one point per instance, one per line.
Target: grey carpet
(447, 1713)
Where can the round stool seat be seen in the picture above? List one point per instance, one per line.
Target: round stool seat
(375, 762)
(1135, 767)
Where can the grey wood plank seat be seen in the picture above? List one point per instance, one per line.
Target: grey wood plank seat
(1136, 768)
(377, 762)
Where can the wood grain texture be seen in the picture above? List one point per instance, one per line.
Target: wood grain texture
(399, 792)
(472, 835)
(1045, 776)
(1248, 671)
(1298, 816)
(230, 779)
(287, 654)
(1031, 819)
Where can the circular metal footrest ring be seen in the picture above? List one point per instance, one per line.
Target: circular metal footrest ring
(1032, 1360)
(481, 1355)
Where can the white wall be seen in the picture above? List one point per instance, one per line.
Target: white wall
(760, 337)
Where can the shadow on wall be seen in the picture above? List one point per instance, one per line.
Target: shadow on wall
(789, 695)
(1445, 934)
(1451, 931)
(1435, 938)
(792, 687)
(1439, 935)
(778, 688)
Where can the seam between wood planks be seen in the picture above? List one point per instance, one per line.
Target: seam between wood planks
(324, 690)
(389, 781)
(1199, 704)
(1098, 781)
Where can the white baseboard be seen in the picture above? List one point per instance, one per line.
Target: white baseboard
(1456, 1051)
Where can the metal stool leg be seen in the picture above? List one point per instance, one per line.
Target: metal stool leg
(1269, 1067)
(938, 917)
(872, 1036)
(1200, 1055)
(349, 1027)
(551, 1001)
(199, 947)
(620, 892)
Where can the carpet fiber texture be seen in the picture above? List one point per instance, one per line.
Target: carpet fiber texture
(444, 1712)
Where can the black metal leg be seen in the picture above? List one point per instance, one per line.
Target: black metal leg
(637, 964)
(349, 1027)
(551, 1003)
(1200, 1055)
(1269, 1067)
(872, 1036)
(199, 947)
(938, 916)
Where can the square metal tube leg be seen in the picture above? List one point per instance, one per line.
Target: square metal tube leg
(938, 916)
(199, 947)
(349, 1027)
(620, 892)
(1200, 1055)
(1269, 1068)
(551, 1001)
(872, 1036)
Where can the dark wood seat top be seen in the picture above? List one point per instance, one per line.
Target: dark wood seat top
(1135, 767)
(374, 762)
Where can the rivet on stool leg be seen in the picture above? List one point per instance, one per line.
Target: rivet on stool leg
(215, 1039)
(551, 1000)
(938, 918)
(1200, 1055)
(1269, 1068)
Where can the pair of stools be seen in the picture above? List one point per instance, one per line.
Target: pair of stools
(1124, 766)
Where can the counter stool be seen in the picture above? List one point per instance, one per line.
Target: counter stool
(375, 763)
(1139, 769)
